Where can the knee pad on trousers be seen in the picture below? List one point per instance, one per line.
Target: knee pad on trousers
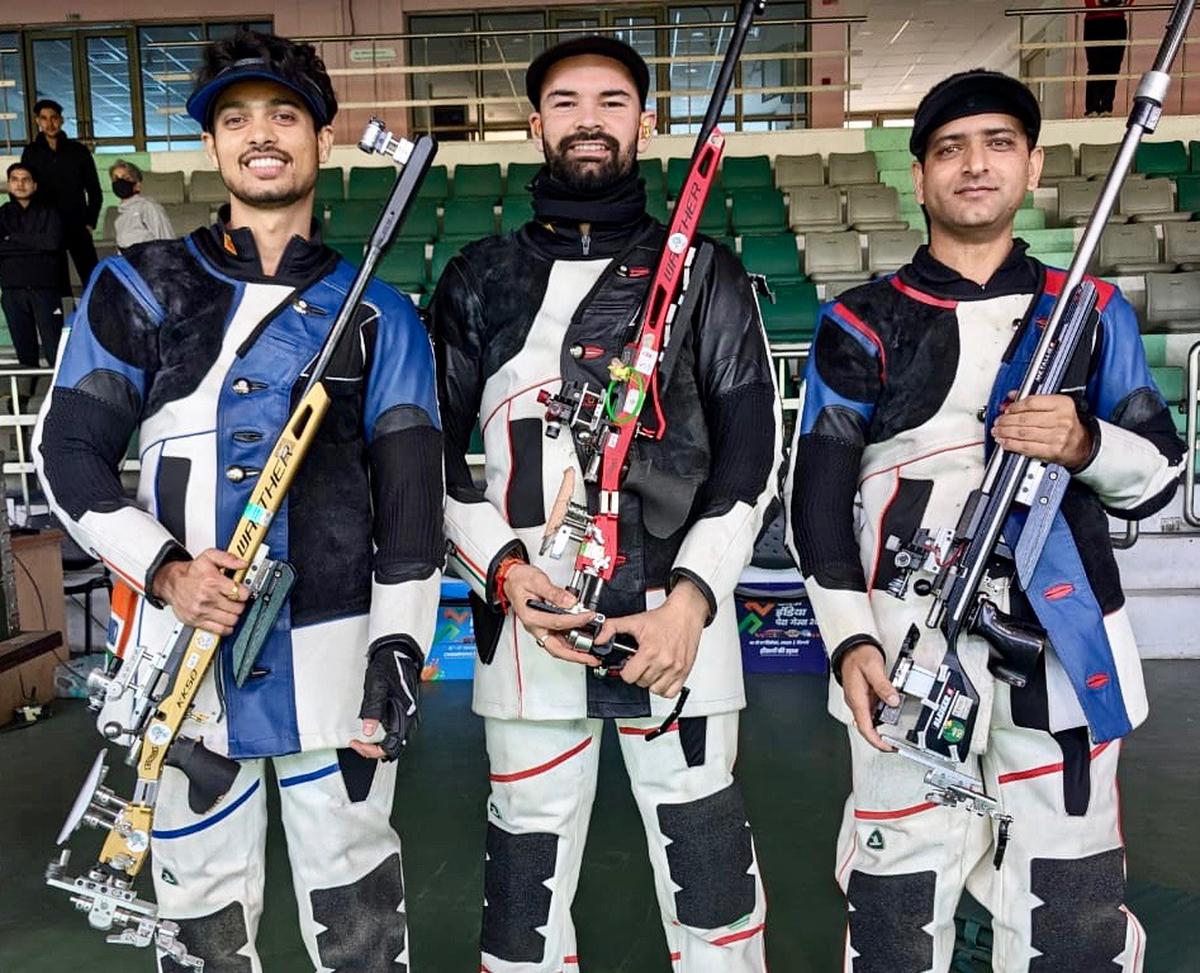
(216, 939)
(516, 899)
(1079, 927)
(709, 854)
(888, 914)
(364, 924)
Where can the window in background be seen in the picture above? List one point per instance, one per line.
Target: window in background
(13, 131)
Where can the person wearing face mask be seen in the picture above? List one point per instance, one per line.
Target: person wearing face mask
(139, 218)
(525, 312)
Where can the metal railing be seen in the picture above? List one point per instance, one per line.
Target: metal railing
(1191, 434)
(1050, 48)
(404, 61)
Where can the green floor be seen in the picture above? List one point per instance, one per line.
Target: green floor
(793, 768)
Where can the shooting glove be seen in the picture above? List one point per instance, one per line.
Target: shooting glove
(392, 691)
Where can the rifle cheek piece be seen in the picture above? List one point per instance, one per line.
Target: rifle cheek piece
(1014, 646)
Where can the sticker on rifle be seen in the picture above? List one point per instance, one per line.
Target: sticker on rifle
(631, 401)
(677, 243)
(205, 640)
(258, 515)
(961, 707)
(954, 731)
(193, 660)
(645, 359)
(158, 734)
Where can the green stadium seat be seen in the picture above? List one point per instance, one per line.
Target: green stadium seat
(677, 170)
(370, 182)
(1155, 348)
(758, 211)
(1194, 155)
(1029, 219)
(476, 446)
(1161, 159)
(774, 256)
(468, 219)
(1187, 190)
(746, 172)
(515, 212)
(436, 184)
(480, 181)
(329, 185)
(403, 266)
(655, 178)
(163, 187)
(421, 222)
(352, 220)
(1170, 382)
(714, 220)
(793, 316)
(442, 253)
(350, 249)
(656, 206)
(518, 176)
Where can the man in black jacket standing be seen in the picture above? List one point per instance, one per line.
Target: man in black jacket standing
(67, 182)
(520, 314)
(31, 238)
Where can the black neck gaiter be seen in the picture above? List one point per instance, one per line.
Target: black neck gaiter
(618, 204)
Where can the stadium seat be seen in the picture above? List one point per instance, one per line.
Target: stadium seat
(518, 176)
(515, 212)
(403, 266)
(758, 211)
(799, 170)
(207, 187)
(1161, 159)
(1076, 200)
(746, 172)
(677, 170)
(656, 206)
(330, 188)
(873, 208)
(1187, 190)
(1096, 160)
(714, 220)
(1194, 155)
(436, 184)
(164, 187)
(1181, 245)
(1128, 249)
(653, 175)
(1170, 382)
(442, 254)
(852, 168)
(889, 250)
(774, 256)
(354, 220)
(815, 208)
(793, 315)
(468, 219)
(1029, 219)
(1150, 201)
(1173, 301)
(186, 217)
(349, 249)
(480, 181)
(1059, 166)
(834, 258)
(370, 182)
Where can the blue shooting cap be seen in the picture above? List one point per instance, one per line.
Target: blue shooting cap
(200, 104)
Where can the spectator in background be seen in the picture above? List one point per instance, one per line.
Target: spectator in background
(1104, 23)
(31, 239)
(139, 218)
(68, 183)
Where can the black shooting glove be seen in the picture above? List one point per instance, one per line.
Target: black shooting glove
(392, 691)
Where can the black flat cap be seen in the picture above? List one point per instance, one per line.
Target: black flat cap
(976, 92)
(608, 47)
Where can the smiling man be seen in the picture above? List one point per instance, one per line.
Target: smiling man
(201, 347)
(518, 314)
(907, 391)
